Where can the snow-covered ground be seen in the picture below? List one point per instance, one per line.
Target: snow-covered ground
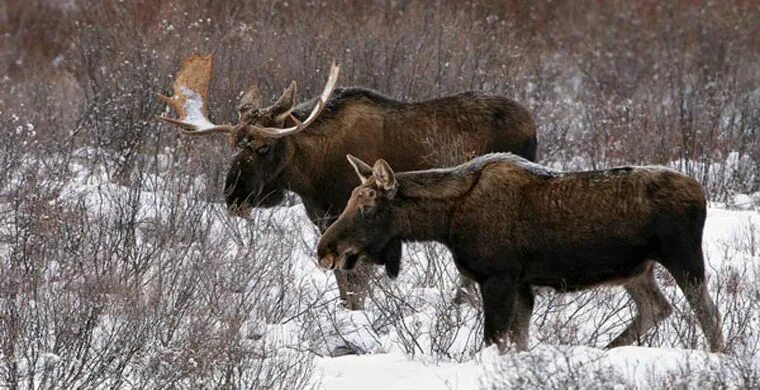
(410, 335)
(635, 366)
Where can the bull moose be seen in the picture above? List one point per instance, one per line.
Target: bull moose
(301, 147)
(513, 225)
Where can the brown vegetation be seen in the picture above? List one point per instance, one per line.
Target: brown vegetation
(627, 82)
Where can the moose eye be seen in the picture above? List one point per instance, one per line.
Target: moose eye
(263, 149)
(369, 194)
(244, 143)
(367, 212)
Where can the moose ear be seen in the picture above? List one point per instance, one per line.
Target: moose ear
(252, 97)
(385, 177)
(287, 99)
(363, 170)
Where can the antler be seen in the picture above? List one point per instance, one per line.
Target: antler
(321, 101)
(190, 96)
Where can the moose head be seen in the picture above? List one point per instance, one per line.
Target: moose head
(260, 138)
(365, 226)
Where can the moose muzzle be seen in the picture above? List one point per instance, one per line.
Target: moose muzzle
(345, 259)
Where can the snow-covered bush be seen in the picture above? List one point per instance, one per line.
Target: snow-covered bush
(146, 285)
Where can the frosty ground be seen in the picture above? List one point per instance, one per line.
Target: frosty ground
(562, 365)
(154, 285)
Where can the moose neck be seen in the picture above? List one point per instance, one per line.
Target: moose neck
(420, 219)
(298, 173)
(317, 169)
(426, 200)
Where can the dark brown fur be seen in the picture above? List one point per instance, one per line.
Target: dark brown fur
(411, 136)
(512, 225)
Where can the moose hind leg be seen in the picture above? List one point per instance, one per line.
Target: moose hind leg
(683, 258)
(694, 286)
(707, 314)
(651, 307)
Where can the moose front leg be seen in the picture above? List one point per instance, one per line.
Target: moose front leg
(520, 327)
(498, 293)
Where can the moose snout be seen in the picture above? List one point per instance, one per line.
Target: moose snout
(327, 256)
(327, 261)
(239, 200)
(330, 259)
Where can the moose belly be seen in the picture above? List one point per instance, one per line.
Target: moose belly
(572, 269)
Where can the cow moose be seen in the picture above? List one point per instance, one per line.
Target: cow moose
(513, 225)
(301, 147)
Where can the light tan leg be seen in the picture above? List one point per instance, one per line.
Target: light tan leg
(353, 285)
(685, 262)
(707, 314)
(651, 307)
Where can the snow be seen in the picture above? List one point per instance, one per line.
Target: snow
(396, 371)
(51, 358)
(568, 332)
(743, 202)
(634, 366)
(194, 109)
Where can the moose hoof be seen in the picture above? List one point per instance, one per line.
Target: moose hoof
(343, 350)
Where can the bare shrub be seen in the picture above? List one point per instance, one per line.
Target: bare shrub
(117, 286)
(427, 322)
(578, 367)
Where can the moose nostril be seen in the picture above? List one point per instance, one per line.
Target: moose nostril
(327, 261)
(348, 251)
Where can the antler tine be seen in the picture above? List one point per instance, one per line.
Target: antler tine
(318, 107)
(190, 96)
(294, 119)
